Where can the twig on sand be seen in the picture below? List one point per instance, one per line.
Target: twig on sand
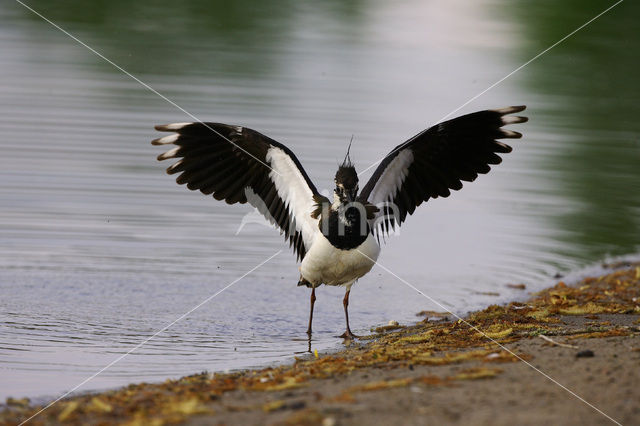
(550, 340)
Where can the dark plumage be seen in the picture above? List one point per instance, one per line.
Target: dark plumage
(347, 176)
(225, 161)
(346, 229)
(437, 160)
(334, 237)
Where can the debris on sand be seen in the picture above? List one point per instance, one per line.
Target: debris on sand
(469, 346)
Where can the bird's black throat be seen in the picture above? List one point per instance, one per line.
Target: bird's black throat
(346, 227)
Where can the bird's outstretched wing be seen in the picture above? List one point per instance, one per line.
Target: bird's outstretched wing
(237, 165)
(436, 160)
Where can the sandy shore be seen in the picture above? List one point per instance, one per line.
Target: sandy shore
(569, 355)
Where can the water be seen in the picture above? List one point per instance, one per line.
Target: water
(99, 249)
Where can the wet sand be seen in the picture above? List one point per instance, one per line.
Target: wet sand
(584, 338)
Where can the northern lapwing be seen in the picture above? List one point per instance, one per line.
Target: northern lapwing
(337, 240)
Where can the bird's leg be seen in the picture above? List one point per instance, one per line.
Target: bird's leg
(345, 302)
(313, 299)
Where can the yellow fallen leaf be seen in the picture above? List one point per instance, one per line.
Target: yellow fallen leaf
(316, 354)
(69, 407)
(418, 338)
(187, 407)
(289, 383)
(387, 327)
(99, 405)
(450, 358)
(496, 334)
(383, 384)
(588, 308)
(477, 373)
(598, 334)
(15, 402)
(273, 406)
(144, 421)
(539, 314)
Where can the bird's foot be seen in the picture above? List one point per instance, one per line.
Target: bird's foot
(349, 335)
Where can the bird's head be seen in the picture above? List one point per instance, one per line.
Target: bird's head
(346, 181)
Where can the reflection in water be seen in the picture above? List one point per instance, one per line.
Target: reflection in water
(592, 107)
(99, 249)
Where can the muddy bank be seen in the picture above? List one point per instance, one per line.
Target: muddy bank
(486, 369)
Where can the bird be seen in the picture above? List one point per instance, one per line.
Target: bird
(337, 239)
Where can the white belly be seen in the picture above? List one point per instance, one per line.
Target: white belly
(326, 264)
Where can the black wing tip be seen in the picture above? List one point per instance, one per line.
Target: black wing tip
(172, 153)
(507, 119)
(501, 147)
(171, 170)
(509, 134)
(173, 127)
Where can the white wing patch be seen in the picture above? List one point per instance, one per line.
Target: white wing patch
(392, 178)
(292, 188)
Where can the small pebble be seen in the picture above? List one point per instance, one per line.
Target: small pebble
(328, 421)
(585, 354)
